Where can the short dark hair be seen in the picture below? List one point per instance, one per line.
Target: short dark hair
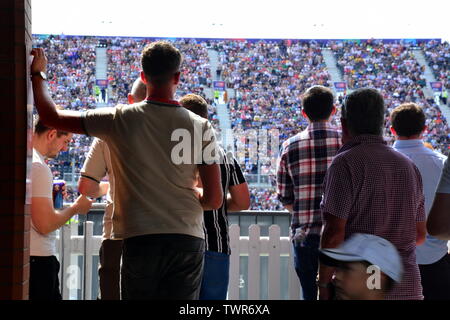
(364, 111)
(408, 119)
(160, 60)
(318, 103)
(196, 104)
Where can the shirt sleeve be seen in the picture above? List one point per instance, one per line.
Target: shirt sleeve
(210, 153)
(337, 191)
(237, 177)
(99, 122)
(95, 165)
(444, 183)
(41, 182)
(421, 215)
(285, 187)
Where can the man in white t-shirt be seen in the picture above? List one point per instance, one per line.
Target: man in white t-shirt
(95, 168)
(45, 220)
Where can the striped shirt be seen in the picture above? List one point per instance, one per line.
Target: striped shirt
(216, 221)
(302, 165)
(379, 191)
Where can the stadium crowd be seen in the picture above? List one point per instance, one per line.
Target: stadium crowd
(267, 77)
(438, 57)
(392, 69)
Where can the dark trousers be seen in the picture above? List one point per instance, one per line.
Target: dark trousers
(109, 269)
(162, 266)
(436, 279)
(306, 263)
(44, 281)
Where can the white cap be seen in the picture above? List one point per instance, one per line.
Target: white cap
(373, 249)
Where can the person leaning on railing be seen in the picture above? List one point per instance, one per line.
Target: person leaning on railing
(96, 167)
(236, 197)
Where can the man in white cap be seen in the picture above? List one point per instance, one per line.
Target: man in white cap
(367, 267)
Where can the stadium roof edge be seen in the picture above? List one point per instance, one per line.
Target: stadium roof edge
(387, 40)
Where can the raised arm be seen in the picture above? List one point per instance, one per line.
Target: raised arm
(64, 120)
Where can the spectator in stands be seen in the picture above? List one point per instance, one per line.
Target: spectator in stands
(45, 220)
(408, 125)
(444, 96)
(216, 267)
(371, 188)
(158, 207)
(97, 166)
(367, 267)
(303, 162)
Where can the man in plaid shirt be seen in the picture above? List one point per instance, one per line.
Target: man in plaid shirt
(302, 165)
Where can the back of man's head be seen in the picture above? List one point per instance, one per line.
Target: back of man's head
(160, 61)
(318, 103)
(138, 92)
(408, 120)
(196, 104)
(364, 112)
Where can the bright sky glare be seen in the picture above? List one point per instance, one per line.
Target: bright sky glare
(287, 19)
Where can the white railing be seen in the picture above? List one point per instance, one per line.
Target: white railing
(71, 245)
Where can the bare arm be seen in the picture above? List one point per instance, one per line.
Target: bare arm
(333, 235)
(46, 219)
(212, 196)
(289, 207)
(91, 188)
(239, 197)
(70, 121)
(438, 223)
(421, 231)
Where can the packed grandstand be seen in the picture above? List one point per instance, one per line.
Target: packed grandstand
(265, 79)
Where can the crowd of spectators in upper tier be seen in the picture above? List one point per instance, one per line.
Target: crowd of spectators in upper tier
(265, 80)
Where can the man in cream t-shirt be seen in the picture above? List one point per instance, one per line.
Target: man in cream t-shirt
(44, 267)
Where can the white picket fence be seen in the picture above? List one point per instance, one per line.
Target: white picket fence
(254, 246)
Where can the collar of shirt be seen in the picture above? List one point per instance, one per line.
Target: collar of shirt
(405, 144)
(318, 126)
(40, 155)
(362, 139)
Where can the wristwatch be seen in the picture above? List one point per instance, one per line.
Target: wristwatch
(40, 74)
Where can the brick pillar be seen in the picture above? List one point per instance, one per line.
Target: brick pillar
(15, 147)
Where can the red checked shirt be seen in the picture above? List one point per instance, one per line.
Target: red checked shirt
(303, 162)
(379, 191)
